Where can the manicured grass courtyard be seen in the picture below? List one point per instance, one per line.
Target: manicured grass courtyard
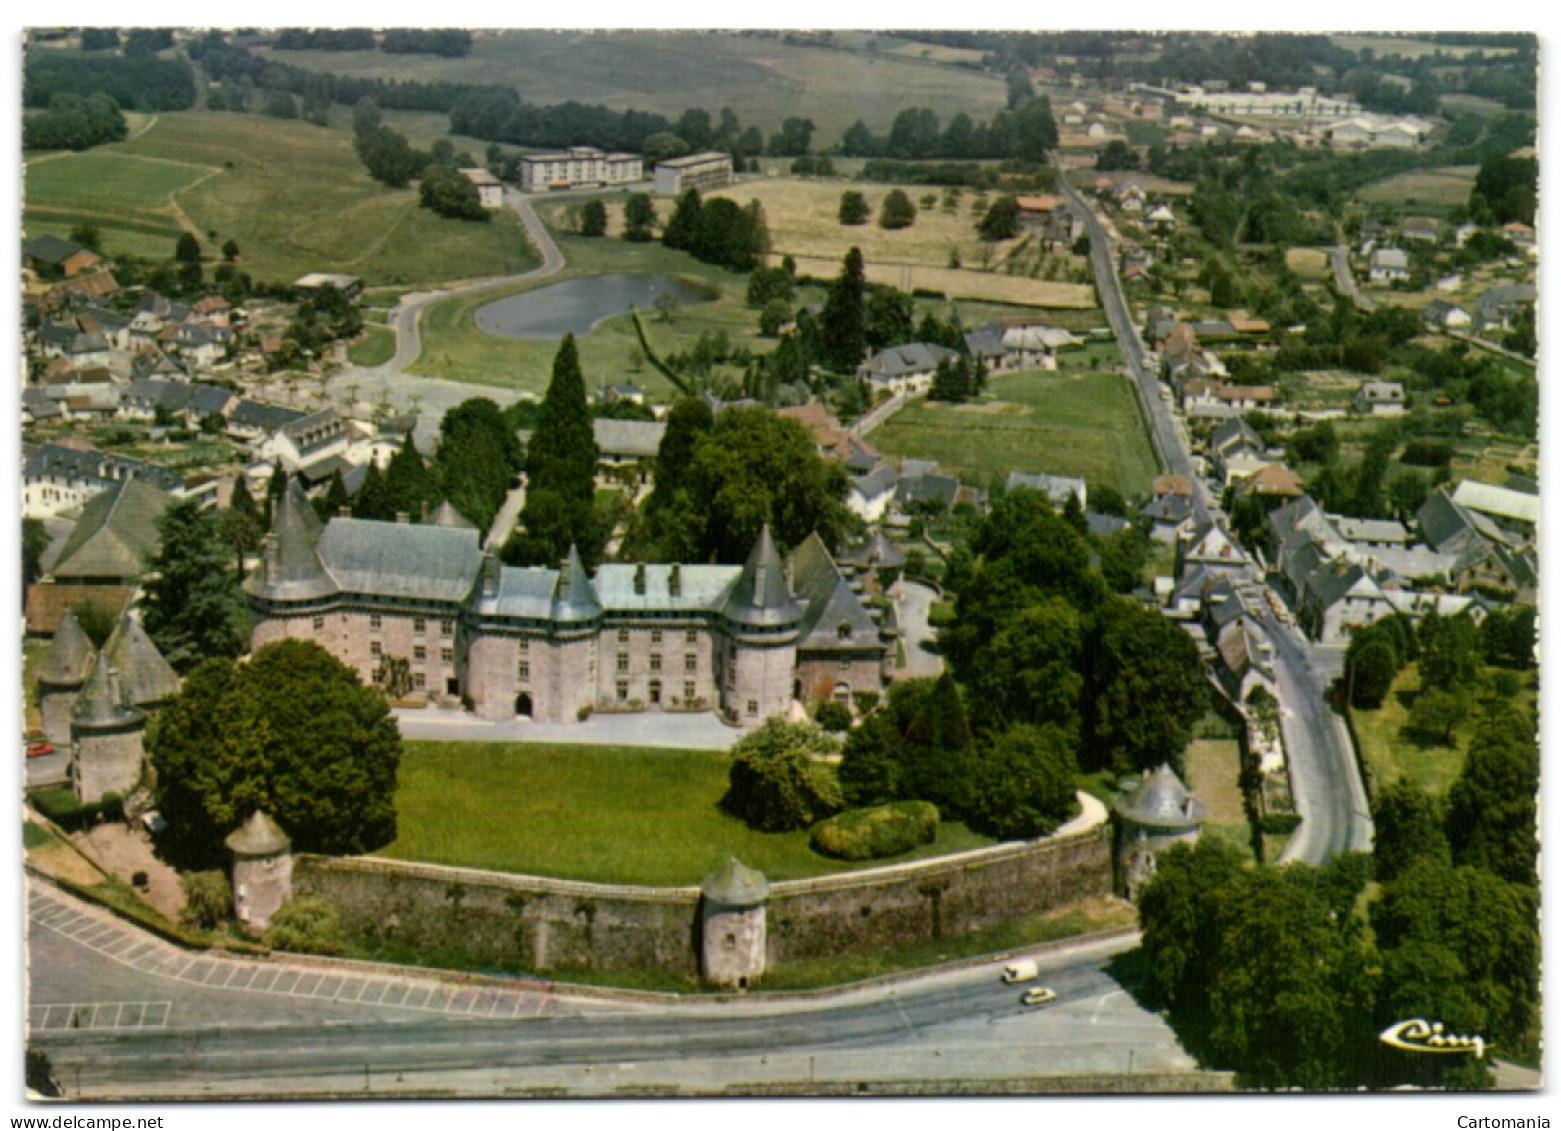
(1213, 772)
(600, 814)
(1080, 423)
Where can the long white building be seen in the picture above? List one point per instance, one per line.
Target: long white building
(577, 166)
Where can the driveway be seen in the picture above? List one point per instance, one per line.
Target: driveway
(912, 604)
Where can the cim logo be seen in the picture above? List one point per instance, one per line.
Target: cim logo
(1427, 1036)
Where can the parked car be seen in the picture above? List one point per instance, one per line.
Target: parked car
(1039, 995)
(39, 749)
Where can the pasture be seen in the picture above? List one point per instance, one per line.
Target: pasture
(292, 195)
(1085, 424)
(594, 813)
(760, 76)
(1447, 187)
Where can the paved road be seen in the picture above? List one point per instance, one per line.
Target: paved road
(433, 396)
(1344, 278)
(912, 604)
(1324, 775)
(699, 730)
(154, 1021)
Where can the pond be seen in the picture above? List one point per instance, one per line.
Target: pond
(576, 305)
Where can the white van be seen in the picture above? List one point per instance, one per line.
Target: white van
(1020, 970)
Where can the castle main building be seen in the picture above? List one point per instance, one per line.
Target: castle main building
(555, 644)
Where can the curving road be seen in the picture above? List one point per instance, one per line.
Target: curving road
(1344, 278)
(121, 1014)
(1325, 778)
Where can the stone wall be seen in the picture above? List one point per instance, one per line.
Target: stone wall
(494, 920)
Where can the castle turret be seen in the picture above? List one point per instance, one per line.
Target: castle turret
(262, 870)
(147, 679)
(106, 736)
(732, 925)
(290, 569)
(762, 620)
(61, 677)
(1156, 813)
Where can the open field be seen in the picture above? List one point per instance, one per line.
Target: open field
(292, 195)
(1308, 262)
(1447, 187)
(1011, 290)
(760, 77)
(1086, 425)
(600, 814)
(1213, 767)
(1388, 46)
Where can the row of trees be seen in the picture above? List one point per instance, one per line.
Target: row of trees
(896, 212)
(1026, 131)
(74, 122)
(135, 82)
(718, 231)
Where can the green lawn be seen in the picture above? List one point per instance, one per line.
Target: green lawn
(1388, 755)
(600, 814)
(377, 346)
(1068, 423)
(1213, 770)
(292, 195)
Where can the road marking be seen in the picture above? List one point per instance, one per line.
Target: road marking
(1101, 1004)
(101, 1016)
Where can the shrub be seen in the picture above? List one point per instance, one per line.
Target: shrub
(59, 805)
(138, 879)
(208, 899)
(865, 701)
(773, 786)
(833, 717)
(307, 923)
(877, 833)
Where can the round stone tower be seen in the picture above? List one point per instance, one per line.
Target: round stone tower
(762, 621)
(106, 737)
(61, 677)
(262, 870)
(1156, 813)
(731, 925)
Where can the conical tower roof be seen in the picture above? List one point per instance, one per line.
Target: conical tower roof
(292, 570)
(448, 516)
(100, 705)
(258, 836)
(69, 657)
(1160, 799)
(762, 596)
(575, 597)
(735, 884)
(146, 677)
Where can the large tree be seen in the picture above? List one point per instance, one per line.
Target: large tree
(843, 321)
(754, 467)
(777, 781)
(1022, 783)
(639, 218)
(292, 732)
(1492, 808)
(191, 603)
(477, 459)
(560, 470)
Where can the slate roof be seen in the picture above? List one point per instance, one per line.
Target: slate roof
(293, 569)
(700, 587)
(117, 533)
(101, 705)
(640, 439)
(1502, 502)
(1160, 800)
(1057, 488)
(877, 552)
(146, 678)
(317, 430)
(761, 597)
(575, 599)
(834, 616)
(258, 836)
(448, 516)
(69, 657)
(52, 249)
(522, 591)
(390, 559)
(1105, 524)
(908, 359)
(262, 417)
(735, 884)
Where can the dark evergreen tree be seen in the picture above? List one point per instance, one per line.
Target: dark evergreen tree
(191, 604)
(639, 218)
(682, 228)
(843, 321)
(561, 469)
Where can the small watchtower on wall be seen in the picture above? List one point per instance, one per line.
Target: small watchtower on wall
(732, 925)
(1156, 813)
(262, 870)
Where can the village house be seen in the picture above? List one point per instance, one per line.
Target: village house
(1443, 315)
(906, 369)
(1380, 398)
(490, 190)
(1388, 265)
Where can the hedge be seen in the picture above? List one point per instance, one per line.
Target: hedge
(878, 832)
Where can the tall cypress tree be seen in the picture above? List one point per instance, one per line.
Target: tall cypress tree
(560, 470)
(843, 321)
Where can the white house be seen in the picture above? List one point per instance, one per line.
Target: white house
(1388, 265)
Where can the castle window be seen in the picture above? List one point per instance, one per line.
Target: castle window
(447, 655)
(693, 636)
(319, 624)
(623, 690)
(844, 630)
(655, 662)
(524, 646)
(623, 663)
(524, 671)
(688, 692)
(623, 636)
(446, 627)
(655, 636)
(376, 622)
(419, 624)
(374, 648)
(753, 707)
(419, 653)
(691, 663)
(419, 680)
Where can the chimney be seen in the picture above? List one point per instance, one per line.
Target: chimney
(403, 518)
(675, 581)
(490, 574)
(639, 580)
